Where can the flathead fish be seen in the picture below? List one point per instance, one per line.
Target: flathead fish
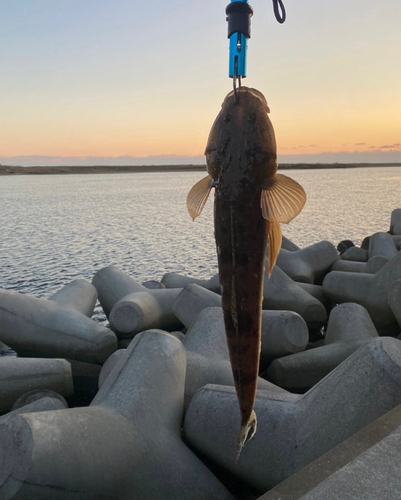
(251, 200)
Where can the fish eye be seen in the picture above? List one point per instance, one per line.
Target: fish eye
(252, 118)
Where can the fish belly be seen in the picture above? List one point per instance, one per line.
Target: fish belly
(241, 238)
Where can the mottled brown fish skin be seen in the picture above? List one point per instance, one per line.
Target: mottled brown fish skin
(251, 201)
(241, 156)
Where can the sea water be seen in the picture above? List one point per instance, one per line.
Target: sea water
(57, 228)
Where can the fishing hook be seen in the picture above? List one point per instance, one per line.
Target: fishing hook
(236, 78)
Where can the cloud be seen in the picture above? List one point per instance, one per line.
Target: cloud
(389, 146)
(360, 144)
(372, 156)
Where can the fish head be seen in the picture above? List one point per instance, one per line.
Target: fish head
(242, 131)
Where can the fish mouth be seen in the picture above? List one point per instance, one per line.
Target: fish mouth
(254, 92)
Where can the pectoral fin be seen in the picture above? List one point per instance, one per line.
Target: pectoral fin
(198, 195)
(282, 199)
(274, 244)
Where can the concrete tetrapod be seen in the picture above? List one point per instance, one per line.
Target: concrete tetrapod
(19, 375)
(175, 280)
(395, 222)
(287, 244)
(355, 254)
(349, 328)
(79, 295)
(126, 445)
(284, 294)
(382, 244)
(365, 466)
(131, 307)
(283, 332)
(394, 300)
(368, 290)
(32, 396)
(280, 293)
(372, 266)
(47, 403)
(382, 248)
(295, 430)
(308, 264)
(208, 360)
(39, 327)
(192, 300)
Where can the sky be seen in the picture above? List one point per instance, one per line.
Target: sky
(140, 82)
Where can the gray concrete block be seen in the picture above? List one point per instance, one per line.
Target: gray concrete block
(38, 394)
(283, 332)
(284, 294)
(208, 359)
(280, 293)
(397, 241)
(19, 375)
(349, 266)
(366, 466)
(46, 403)
(132, 308)
(85, 377)
(79, 295)
(308, 264)
(295, 430)
(153, 285)
(142, 311)
(395, 222)
(382, 244)
(372, 266)
(112, 285)
(381, 249)
(394, 300)
(368, 290)
(348, 329)
(316, 291)
(287, 244)
(38, 327)
(355, 254)
(175, 280)
(109, 365)
(126, 445)
(192, 300)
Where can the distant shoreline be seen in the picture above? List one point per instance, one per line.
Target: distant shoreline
(38, 170)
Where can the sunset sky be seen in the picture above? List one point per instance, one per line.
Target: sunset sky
(96, 81)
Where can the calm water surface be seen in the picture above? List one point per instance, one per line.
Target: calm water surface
(56, 228)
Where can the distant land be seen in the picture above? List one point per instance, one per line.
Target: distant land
(104, 169)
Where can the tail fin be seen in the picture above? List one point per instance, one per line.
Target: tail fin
(248, 430)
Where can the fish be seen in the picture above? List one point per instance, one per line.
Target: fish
(251, 201)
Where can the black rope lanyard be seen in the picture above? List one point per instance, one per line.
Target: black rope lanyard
(279, 11)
